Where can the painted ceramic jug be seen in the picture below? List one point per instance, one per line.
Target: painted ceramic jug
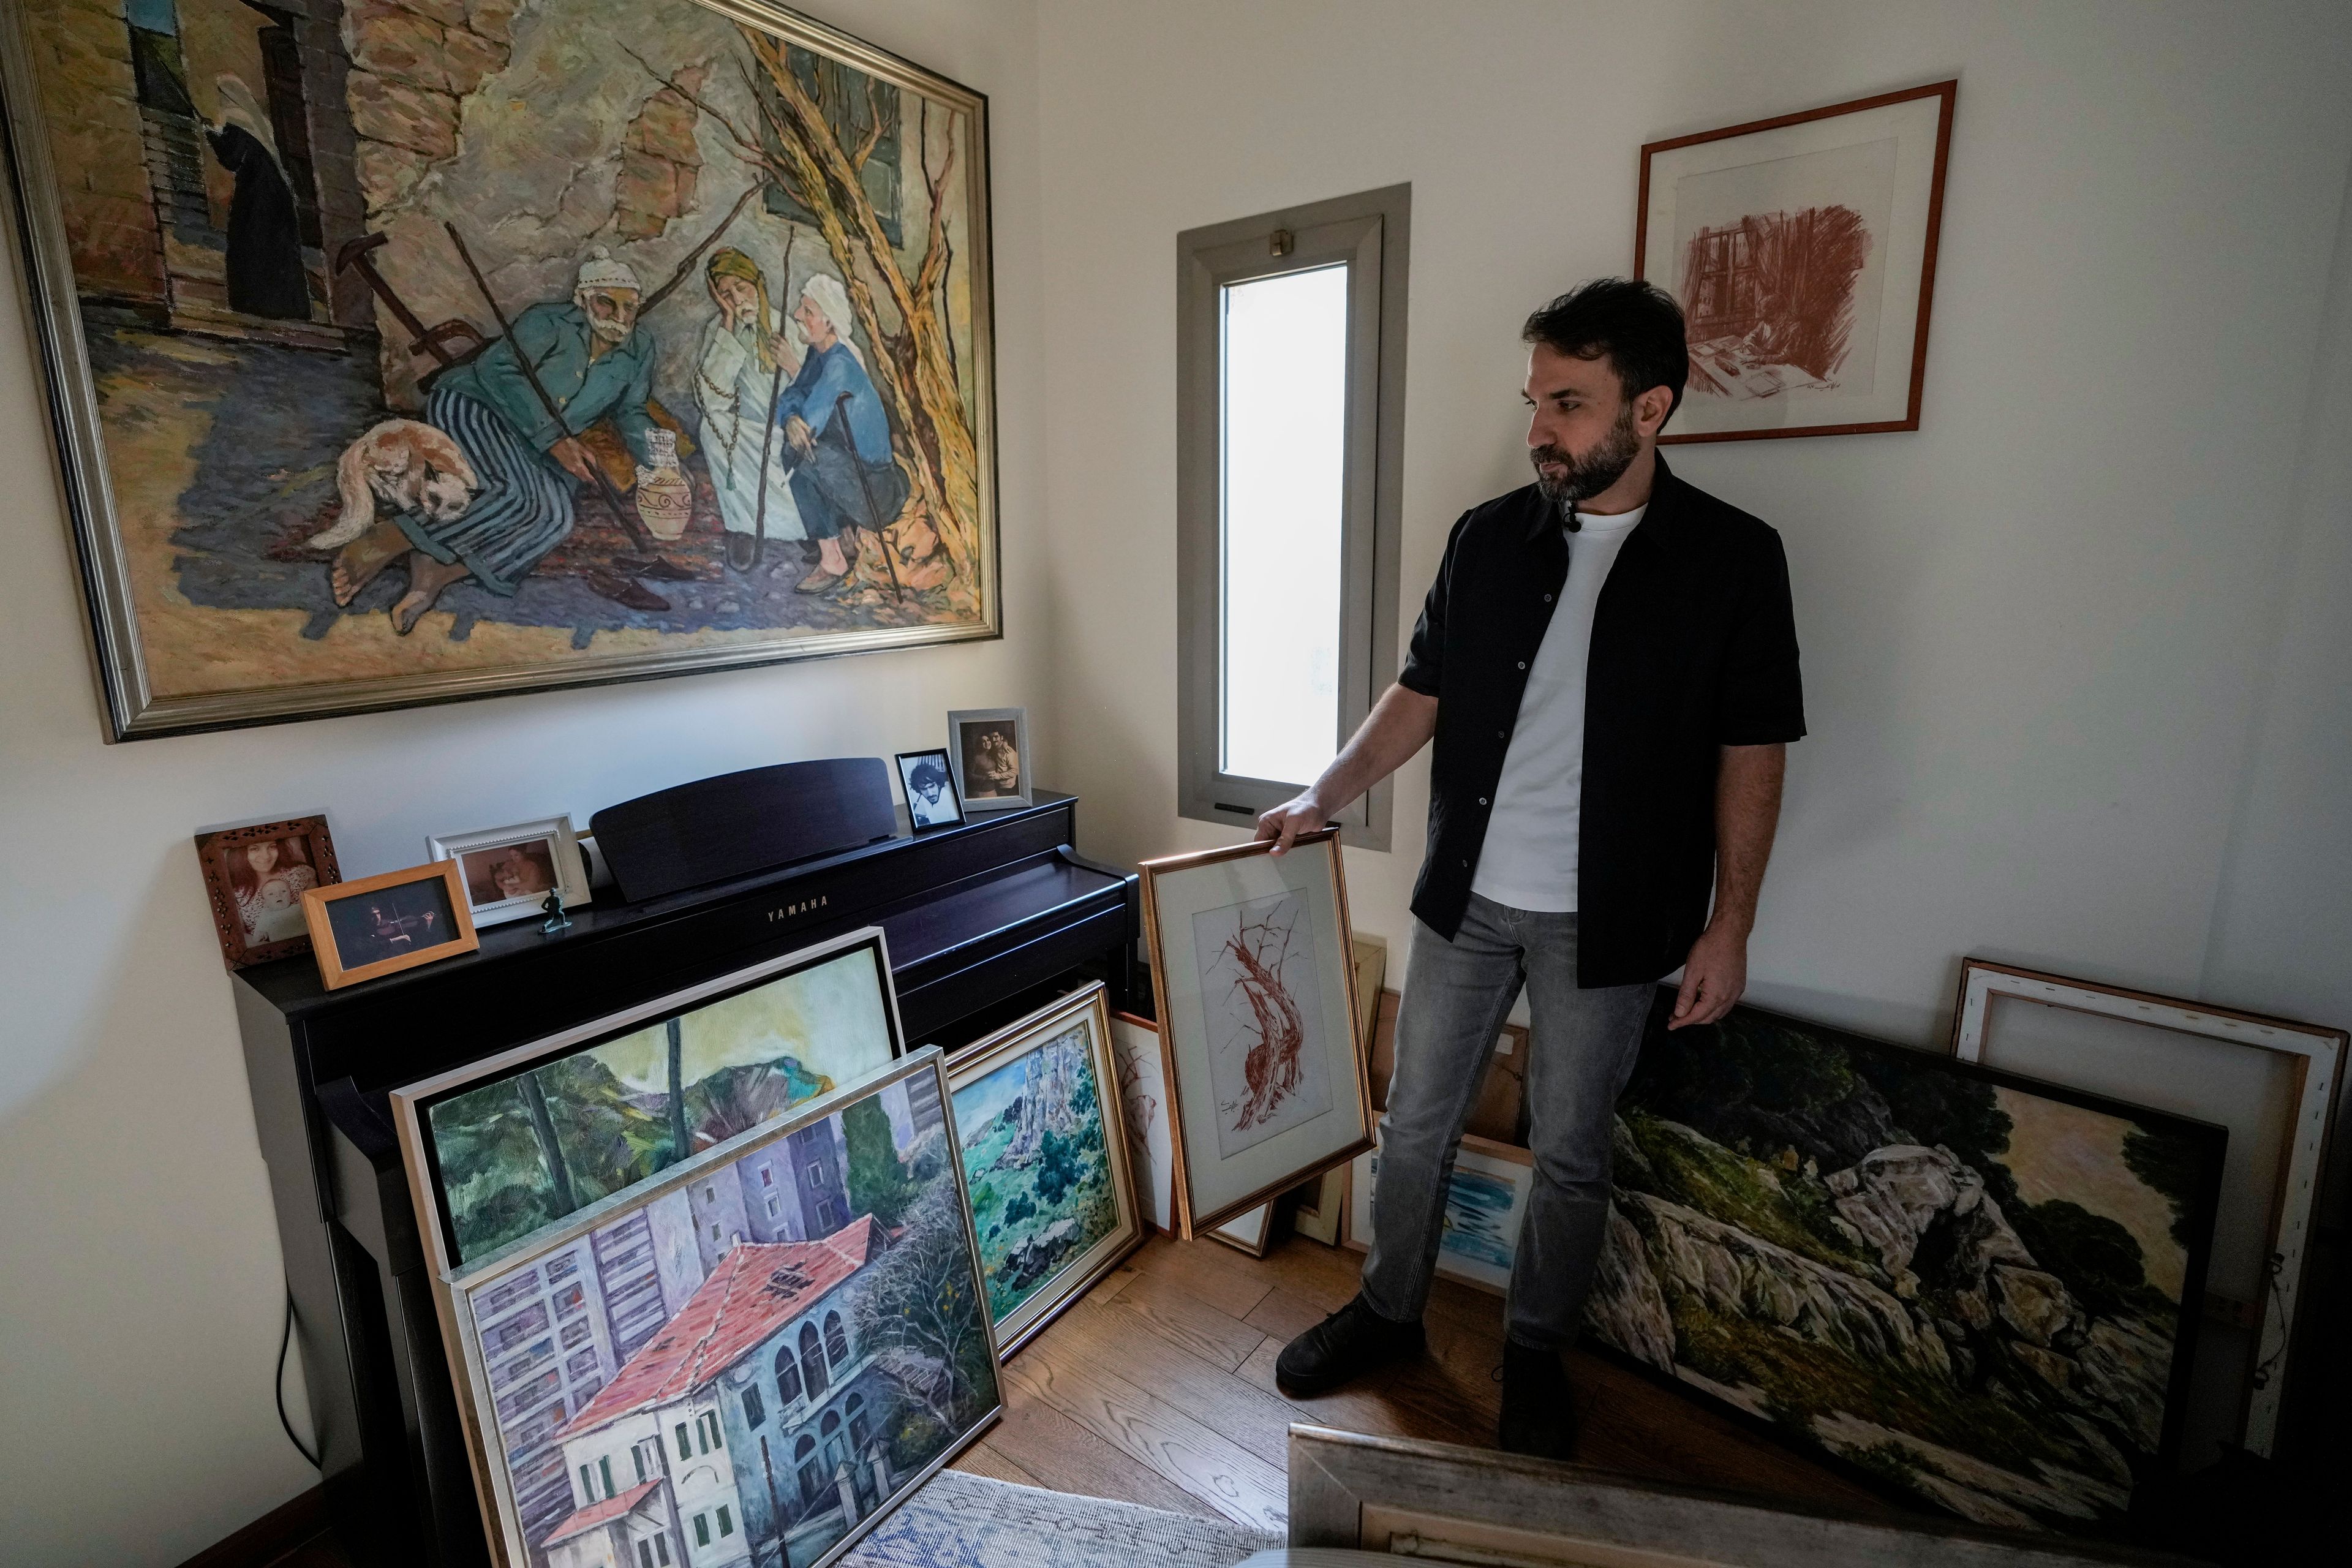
(665, 495)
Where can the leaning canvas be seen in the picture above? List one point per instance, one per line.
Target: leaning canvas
(407, 354)
(1976, 1290)
(496, 1148)
(684, 1373)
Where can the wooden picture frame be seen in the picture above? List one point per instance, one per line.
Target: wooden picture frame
(1421, 1500)
(1318, 1209)
(1250, 1233)
(981, 783)
(1069, 1275)
(925, 815)
(1492, 1182)
(1247, 887)
(425, 888)
(778, 1346)
(1774, 352)
(247, 919)
(476, 853)
(2271, 1180)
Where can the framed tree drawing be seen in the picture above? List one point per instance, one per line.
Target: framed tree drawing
(1802, 250)
(1256, 982)
(341, 431)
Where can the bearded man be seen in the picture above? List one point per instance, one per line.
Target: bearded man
(1608, 661)
(589, 355)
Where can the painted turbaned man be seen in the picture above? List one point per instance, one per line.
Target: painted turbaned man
(1608, 663)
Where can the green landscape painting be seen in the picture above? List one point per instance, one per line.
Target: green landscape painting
(1037, 1158)
(534, 1145)
(1976, 1288)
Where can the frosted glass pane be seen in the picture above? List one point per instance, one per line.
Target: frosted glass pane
(1285, 428)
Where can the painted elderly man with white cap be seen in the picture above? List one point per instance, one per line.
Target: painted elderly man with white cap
(594, 361)
(843, 478)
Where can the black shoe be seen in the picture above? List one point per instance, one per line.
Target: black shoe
(1350, 1342)
(1538, 1412)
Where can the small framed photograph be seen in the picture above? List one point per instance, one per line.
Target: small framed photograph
(990, 749)
(930, 782)
(381, 925)
(507, 872)
(255, 877)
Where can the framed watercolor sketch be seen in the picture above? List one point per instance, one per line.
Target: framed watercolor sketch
(2272, 1081)
(381, 925)
(255, 877)
(303, 471)
(1976, 1291)
(674, 1372)
(1802, 249)
(501, 1147)
(1043, 1144)
(990, 748)
(929, 780)
(1142, 1090)
(1485, 1204)
(1255, 982)
(508, 871)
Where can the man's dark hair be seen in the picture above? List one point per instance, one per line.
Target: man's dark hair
(1637, 325)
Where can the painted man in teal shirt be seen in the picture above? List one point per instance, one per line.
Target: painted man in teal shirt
(594, 361)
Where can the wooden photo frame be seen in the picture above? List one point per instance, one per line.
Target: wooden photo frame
(2274, 1082)
(989, 751)
(852, 1340)
(258, 907)
(1802, 250)
(928, 779)
(381, 925)
(1255, 977)
(1250, 1233)
(1038, 1102)
(507, 872)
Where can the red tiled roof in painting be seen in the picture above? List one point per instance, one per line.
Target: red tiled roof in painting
(757, 1288)
(597, 1513)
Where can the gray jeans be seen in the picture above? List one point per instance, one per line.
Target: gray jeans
(1581, 1049)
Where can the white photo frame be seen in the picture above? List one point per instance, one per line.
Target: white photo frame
(2279, 1104)
(495, 864)
(984, 780)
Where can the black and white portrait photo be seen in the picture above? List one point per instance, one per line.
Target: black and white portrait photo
(931, 789)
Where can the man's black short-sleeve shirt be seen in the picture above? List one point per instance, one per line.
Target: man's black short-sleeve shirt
(1694, 648)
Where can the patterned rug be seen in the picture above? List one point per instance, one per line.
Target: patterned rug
(961, 1520)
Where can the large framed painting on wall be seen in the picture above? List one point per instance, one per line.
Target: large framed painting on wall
(1802, 249)
(681, 1370)
(281, 295)
(1976, 1290)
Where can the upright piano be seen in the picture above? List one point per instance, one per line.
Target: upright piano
(985, 920)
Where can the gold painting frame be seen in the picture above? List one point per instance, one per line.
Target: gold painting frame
(151, 688)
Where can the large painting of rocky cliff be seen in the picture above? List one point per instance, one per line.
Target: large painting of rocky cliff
(420, 349)
(1976, 1288)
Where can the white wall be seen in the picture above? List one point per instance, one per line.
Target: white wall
(140, 1294)
(2036, 631)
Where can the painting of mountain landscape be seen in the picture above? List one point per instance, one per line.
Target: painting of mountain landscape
(1974, 1287)
(1046, 1159)
(531, 1146)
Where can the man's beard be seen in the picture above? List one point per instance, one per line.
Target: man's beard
(1595, 471)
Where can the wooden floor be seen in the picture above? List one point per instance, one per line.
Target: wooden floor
(1158, 1388)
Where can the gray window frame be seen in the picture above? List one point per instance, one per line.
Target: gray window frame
(1371, 231)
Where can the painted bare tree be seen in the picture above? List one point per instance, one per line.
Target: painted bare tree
(920, 1312)
(915, 371)
(1270, 1072)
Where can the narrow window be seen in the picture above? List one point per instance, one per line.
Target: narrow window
(702, 1530)
(811, 1361)
(836, 1344)
(1290, 404)
(637, 1453)
(788, 1375)
(716, 1440)
(767, 1176)
(755, 1409)
(661, 1549)
(685, 1444)
(645, 1554)
(605, 1468)
(587, 1485)
(725, 1524)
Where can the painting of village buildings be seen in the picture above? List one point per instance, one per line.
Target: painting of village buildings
(530, 1146)
(747, 1364)
(1046, 1158)
(442, 346)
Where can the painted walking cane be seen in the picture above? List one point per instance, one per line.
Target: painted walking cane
(872, 515)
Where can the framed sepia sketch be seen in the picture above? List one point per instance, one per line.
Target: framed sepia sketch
(681, 1372)
(1978, 1291)
(504, 1146)
(678, 358)
(255, 877)
(381, 925)
(1045, 1151)
(1802, 249)
(509, 871)
(1254, 978)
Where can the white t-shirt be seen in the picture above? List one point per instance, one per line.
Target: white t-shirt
(1528, 861)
